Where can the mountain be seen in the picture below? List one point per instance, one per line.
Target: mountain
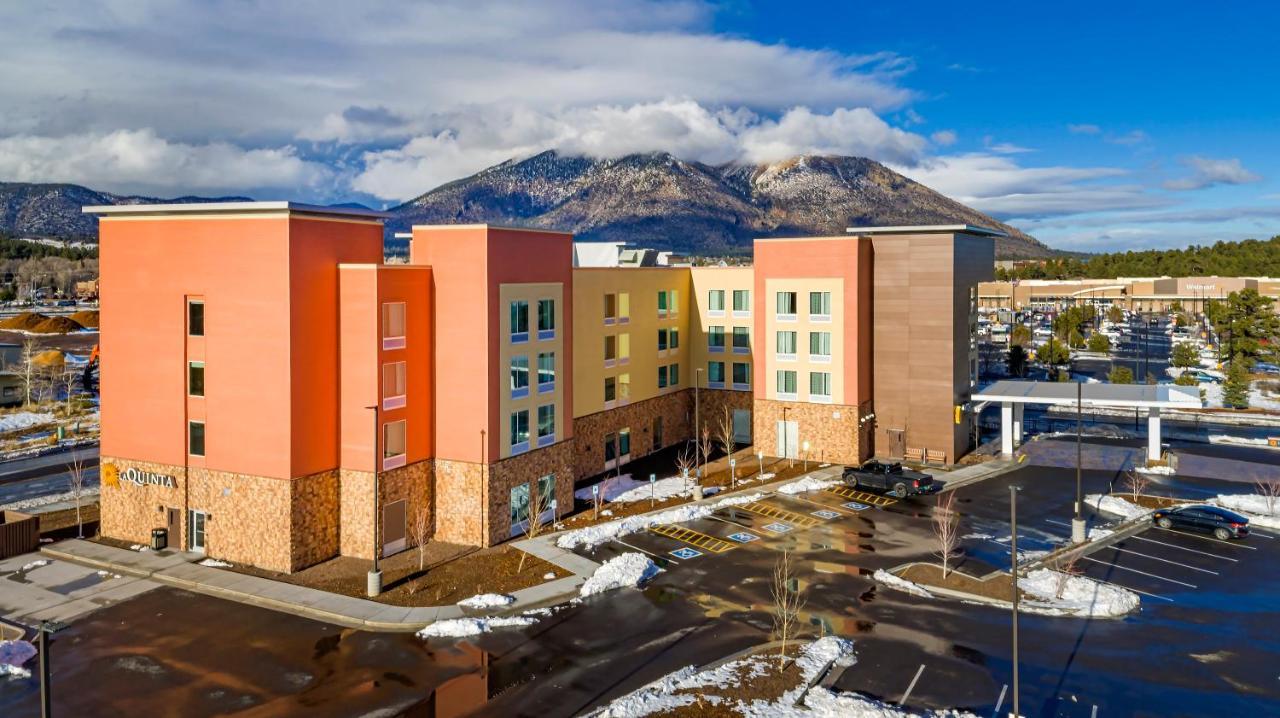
(657, 200)
(53, 210)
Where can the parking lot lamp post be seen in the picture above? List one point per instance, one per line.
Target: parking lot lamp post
(806, 456)
(1077, 523)
(697, 416)
(1013, 570)
(374, 583)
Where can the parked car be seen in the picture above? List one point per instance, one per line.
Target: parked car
(891, 479)
(1215, 520)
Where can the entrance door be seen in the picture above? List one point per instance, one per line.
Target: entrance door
(196, 521)
(174, 524)
(742, 426)
(394, 516)
(788, 439)
(897, 443)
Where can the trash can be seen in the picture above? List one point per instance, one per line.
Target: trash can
(159, 539)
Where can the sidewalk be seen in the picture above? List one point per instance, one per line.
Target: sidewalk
(178, 569)
(966, 475)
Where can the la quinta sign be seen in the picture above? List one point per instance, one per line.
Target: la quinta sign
(147, 478)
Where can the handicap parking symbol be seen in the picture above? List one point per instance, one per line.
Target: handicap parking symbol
(856, 506)
(825, 514)
(686, 553)
(778, 528)
(743, 537)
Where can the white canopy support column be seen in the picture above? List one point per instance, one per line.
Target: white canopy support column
(1006, 428)
(1017, 423)
(1153, 433)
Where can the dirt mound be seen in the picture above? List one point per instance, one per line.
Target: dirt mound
(51, 357)
(87, 318)
(25, 321)
(57, 325)
(41, 324)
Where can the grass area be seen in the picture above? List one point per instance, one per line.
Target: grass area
(930, 575)
(759, 679)
(453, 572)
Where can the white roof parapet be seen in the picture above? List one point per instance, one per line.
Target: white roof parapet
(229, 207)
(1063, 393)
(926, 228)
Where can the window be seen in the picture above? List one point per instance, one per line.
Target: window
(715, 338)
(519, 508)
(610, 350)
(662, 377)
(610, 308)
(195, 378)
(741, 375)
(715, 303)
(624, 307)
(519, 376)
(393, 325)
(662, 340)
(610, 449)
(519, 321)
(624, 444)
(819, 386)
(546, 424)
(674, 297)
(662, 304)
(624, 348)
(610, 389)
(546, 372)
(519, 431)
(741, 340)
(195, 438)
(786, 384)
(657, 433)
(668, 303)
(820, 306)
(820, 346)
(546, 496)
(786, 346)
(624, 388)
(393, 385)
(741, 303)
(393, 444)
(546, 319)
(675, 339)
(715, 374)
(195, 318)
(786, 306)
(673, 374)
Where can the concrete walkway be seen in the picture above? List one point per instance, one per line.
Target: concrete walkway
(180, 570)
(974, 473)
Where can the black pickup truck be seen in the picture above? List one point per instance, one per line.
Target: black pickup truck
(889, 479)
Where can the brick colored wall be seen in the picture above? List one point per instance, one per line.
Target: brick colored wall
(459, 501)
(712, 405)
(413, 483)
(129, 512)
(676, 410)
(314, 519)
(831, 439)
(504, 475)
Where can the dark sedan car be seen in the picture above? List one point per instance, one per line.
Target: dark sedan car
(1215, 520)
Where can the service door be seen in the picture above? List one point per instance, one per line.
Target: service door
(788, 439)
(393, 527)
(174, 524)
(897, 443)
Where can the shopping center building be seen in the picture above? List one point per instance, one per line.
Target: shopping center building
(264, 370)
(1137, 294)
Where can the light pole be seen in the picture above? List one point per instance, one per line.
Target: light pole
(697, 423)
(1013, 560)
(1077, 523)
(760, 458)
(374, 583)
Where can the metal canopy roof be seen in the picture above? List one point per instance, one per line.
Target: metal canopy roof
(929, 228)
(1064, 393)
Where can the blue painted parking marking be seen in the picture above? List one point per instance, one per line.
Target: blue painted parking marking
(825, 514)
(686, 553)
(777, 527)
(856, 506)
(744, 537)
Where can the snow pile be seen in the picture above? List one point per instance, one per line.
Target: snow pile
(215, 563)
(1096, 533)
(35, 564)
(487, 600)
(629, 569)
(87, 496)
(16, 653)
(624, 489)
(1257, 399)
(593, 536)
(977, 536)
(24, 420)
(808, 483)
(1254, 508)
(900, 584)
(138, 547)
(14, 671)
(548, 576)
(1080, 596)
(1109, 504)
(1160, 470)
(462, 627)
(1241, 441)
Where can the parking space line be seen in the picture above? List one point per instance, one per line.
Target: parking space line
(1162, 560)
(844, 511)
(773, 512)
(1144, 573)
(728, 521)
(637, 548)
(1184, 548)
(694, 538)
(911, 687)
(1208, 538)
(1000, 701)
(1138, 590)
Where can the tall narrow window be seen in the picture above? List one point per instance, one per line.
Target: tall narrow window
(715, 302)
(195, 378)
(662, 340)
(394, 385)
(741, 303)
(546, 372)
(820, 346)
(519, 321)
(624, 388)
(741, 340)
(519, 431)
(624, 443)
(546, 424)
(673, 375)
(820, 306)
(624, 307)
(786, 346)
(393, 325)
(610, 350)
(610, 308)
(820, 386)
(610, 390)
(195, 438)
(715, 374)
(546, 319)
(674, 338)
(662, 377)
(786, 306)
(786, 384)
(519, 376)
(662, 304)
(624, 348)
(715, 338)
(195, 318)
(394, 445)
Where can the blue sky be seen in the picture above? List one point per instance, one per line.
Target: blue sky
(1093, 126)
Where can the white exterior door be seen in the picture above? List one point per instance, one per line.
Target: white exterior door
(196, 519)
(788, 439)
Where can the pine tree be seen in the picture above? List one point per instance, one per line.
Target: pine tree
(1235, 390)
(1120, 375)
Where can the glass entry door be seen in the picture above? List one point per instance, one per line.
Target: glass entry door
(197, 519)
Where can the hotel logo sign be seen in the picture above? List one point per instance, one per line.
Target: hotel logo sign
(113, 475)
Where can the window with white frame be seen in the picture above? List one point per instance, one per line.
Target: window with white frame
(394, 445)
(820, 306)
(786, 384)
(610, 389)
(820, 346)
(546, 372)
(741, 303)
(624, 348)
(394, 384)
(519, 376)
(715, 303)
(786, 346)
(741, 375)
(715, 338)
(519, 431)
(741, 340)
(546, 424)
(393, 325)
(519, 321)
(786, 306)
(715, 374)
(820, 386)
(546, 319)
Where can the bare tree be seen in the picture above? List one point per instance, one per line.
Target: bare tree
(724, 432)
(1066, 569)
(1137, 483)
(75, 470)
(30, 372)
(946, 527)
(1269, 490)
(535, 523)
(705, 447)
(788, 600)
(685, 461)
(67, 382)
(420, 526)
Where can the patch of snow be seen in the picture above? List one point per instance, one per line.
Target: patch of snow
(978, 537)
(462, 627)
(13, 671)
(625, 489)
(1096, 533)
(606, 512)
(108, 574)
(1238, 440)
(1160, 470)
(592, 536)
(35, 564)
(548, 576)
(628, 569)
(900, 584)
(1081, 596)
(1115, 505)
(24, 420)
(16, 653)
(139, 547)
(1253, 507)
(808, 483)
(487, 600)
(215, 563)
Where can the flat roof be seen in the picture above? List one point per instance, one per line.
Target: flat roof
(929, 228)
(1064, 393)
(488, 225)
(229, 208)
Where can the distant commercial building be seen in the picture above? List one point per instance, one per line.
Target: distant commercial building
(263, 362)
(1135, 294)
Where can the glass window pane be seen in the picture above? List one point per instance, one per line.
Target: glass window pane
(392, 320)
(393, 379)
(195, 438)
(195, 319)
(741, 300)
(715, 300)
(741, 373)
(675, 338)
(195, 378)
(741, 338)
(546, 315)
(674, 374)
(546, 367)
(624, 442)
(393, 439)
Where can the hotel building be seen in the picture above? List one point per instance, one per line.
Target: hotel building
(261, 363)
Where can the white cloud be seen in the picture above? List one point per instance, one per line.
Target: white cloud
(944, 138)
(139, 161)
(1084, 129)
(466, 142)
(1207, 172)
